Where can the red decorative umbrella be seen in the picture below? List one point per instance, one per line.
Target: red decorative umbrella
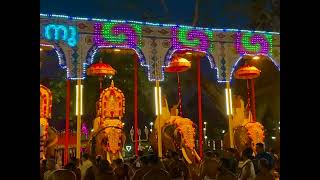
(177, 65)
(249, 72)
(101, 70)
(255, 130)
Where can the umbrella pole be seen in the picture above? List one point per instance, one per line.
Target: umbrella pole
(253, 100)
(66, 145)
(200, 107)
(248, 96)
(179, 95)
(135, 118)
(100, 80)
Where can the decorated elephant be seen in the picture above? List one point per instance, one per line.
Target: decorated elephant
(48, 139)
(109, 140)
(48, 135)
(108, 136)
(246, 133)
(178, 134)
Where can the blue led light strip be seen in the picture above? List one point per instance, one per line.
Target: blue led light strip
(61, 57)
(152, 24)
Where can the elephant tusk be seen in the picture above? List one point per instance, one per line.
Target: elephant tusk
(196, 154)
(108, 157)
(120, 156)
(185, 155)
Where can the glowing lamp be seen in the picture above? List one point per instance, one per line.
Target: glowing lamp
(256, 58)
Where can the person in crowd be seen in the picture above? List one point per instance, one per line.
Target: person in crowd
(264, 171)
(225, 174)
(209, 167)
(156, 171)
(121, 170)
(62, 174)
(50, 166)
(59, 164)
(89, 174)
(86, 163)
(177, 167)
(167, 160)
(276, 160)
(92, 170)
(216, 155)
(131, 167)
(138, 175)
(104, 171)
(247, 170)
(262, 154)
(43, 168)
(233, 162)
(72, 166)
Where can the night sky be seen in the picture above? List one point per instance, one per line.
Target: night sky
(213, 13)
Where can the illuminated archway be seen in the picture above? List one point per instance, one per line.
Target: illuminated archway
(263, 55)
(95, 49)
(60, 54)
(172, 51)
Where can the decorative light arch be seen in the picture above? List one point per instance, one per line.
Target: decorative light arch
(172, 50)
(241, 57)
(94, 49)
(61, 56)
(72, 18)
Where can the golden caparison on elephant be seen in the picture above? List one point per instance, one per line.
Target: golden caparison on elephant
(108, 135)
(48, 135)
(178, 134)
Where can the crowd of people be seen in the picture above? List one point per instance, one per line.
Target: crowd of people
(229, 165)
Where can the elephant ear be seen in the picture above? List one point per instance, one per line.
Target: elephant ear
(124, 138)
(172, 138)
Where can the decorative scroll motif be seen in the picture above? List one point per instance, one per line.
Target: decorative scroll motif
(190, 38)
(253, 43)
(118, 34)
(112, 102)
(45, 102)
(57, 32)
